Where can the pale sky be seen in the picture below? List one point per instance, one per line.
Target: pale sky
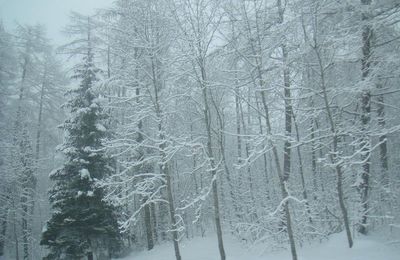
(51, 13)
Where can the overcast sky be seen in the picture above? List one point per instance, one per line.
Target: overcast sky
(52, 13)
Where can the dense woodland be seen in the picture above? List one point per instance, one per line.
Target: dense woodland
(273, 121)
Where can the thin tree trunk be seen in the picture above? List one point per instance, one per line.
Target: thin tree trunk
(282, 181)
(166, 171)
(147, 223)
(164, 167)
(314, 160)
(26, 200)
(265, 161)
(301, 170)
(383, 140)
(321, 155)
(247, 153)
(147, 214)
(25, 232)
(237, 117)
(365, 119)
(383, 154)
(335, 160)
(288, 119)
(313, 146)
(197, 189)
(38, 141)
(90, 256)
(333, 156)
(154, 221)
(207, 117)
(239, 144)
(39, 122)
(221, 140)
(17, 131)
(172, 213)
(288, 133)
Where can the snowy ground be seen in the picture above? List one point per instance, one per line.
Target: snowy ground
(365, 248)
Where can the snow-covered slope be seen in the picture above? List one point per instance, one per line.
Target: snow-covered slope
(365, 248)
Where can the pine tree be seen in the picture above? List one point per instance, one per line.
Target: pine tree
(83, 224)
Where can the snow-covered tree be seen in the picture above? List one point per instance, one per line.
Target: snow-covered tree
(82, 224)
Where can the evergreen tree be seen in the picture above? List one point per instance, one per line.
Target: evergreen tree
(83, 224)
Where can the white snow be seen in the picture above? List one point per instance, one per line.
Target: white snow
(101, 127)
(84, 174)
(69, 220)
(87, 149)
(365, 248)
(53, 172)
(83, 110)
(94, 104)
(44, 228)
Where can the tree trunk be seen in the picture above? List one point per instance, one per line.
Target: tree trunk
(239, 147)
(281, 181)
(333, 156)
(383, 140)
(207, 118)
(265, 161)
(251, 205)
(147, 213)
(221, 140)
(314, 160)
(301, 170)
(342, 205)
(39, 122)
(365, 119)
(100, 248)
(167, 173)
(90, 256)
(288, 118)
(197, 188)
(172, 212)
(162, 147)
(154, 221)
(24, 222)
(257, 52)
(147, 223)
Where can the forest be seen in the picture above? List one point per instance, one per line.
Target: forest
(270, 123)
